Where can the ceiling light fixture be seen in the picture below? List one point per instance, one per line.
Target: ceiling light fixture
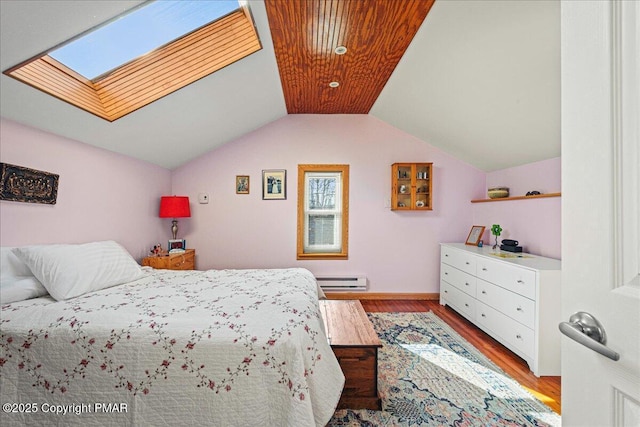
(334, 84)
(340, 50)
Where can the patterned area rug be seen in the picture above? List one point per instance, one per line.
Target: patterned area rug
(428, 375)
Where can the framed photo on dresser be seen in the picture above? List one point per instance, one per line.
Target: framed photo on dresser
(475, 235)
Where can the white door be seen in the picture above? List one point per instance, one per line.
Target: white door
(601, 207)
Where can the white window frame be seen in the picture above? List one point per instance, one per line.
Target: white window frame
(336, 212)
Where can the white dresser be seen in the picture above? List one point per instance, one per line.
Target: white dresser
(516, 299)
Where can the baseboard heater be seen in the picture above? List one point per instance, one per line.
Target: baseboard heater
(343, 283)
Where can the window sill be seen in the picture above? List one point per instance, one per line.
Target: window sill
(321, 255)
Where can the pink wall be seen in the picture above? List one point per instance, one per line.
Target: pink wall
(543, 176)
(101, 195)
(534, 223)
(397, 251)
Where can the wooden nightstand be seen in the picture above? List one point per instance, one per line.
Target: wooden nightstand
(182, 261)
(355, 344)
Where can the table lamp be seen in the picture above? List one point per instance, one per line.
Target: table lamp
(174, 207)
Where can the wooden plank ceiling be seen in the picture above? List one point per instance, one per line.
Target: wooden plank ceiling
(305, 34)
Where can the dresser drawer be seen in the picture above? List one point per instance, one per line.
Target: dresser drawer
(513, 305)
(458, 278)
(508, 330)
(462, 302)
(458, 259)
(513, 278)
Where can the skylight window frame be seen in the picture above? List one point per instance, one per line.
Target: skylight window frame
(45, 73)
(105, 74)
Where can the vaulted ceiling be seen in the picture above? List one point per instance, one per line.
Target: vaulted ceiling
(479, 79)
(317, 78)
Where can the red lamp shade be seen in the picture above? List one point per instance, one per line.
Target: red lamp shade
(174, 207)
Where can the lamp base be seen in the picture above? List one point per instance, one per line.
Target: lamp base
(174, 228)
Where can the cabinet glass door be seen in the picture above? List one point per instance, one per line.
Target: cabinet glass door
(404, 187)
(411, 186)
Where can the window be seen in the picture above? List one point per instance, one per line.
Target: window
(323, 211)
(143, 30)
(135, 83)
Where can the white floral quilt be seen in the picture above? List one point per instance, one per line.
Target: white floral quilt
(218, 347)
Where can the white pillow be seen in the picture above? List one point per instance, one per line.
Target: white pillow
(67, 271)
(20, 290)
(10, 265)
(16, 281)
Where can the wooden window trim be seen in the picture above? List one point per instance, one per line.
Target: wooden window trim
(344, 253)
(150, 77)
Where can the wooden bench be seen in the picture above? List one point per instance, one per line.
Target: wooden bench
(355, 344)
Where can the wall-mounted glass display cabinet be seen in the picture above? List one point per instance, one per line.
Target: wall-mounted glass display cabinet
(411, 185)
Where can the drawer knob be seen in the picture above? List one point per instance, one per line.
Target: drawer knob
(519, 309)
(521, 281)
(484, 292)
(466, 305)
(467, 262)
(483, 315)
(466, 284)
(484, 268)
(519, 336)
(446, 292)
(446, 274)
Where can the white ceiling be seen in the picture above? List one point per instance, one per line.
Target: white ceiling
(481, 80)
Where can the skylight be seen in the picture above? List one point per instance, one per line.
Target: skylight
(142, 56)
(130, 36)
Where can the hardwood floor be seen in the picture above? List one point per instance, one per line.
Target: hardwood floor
(547, 389)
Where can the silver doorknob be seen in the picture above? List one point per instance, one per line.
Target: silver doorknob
(587, 330)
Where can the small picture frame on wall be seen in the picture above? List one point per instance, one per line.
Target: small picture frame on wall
(242, 184)
(274, 184)
(475, 235)
(177, 245)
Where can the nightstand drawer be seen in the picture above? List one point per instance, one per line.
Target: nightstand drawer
(181, 261)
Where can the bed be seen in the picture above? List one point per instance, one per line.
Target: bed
(217, 347)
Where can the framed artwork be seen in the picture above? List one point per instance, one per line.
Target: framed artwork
(242, 184)
(475, 235)
(20, 184)
(274, 184)
(177, 245)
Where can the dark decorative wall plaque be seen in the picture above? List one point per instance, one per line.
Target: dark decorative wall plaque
(19, 184)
